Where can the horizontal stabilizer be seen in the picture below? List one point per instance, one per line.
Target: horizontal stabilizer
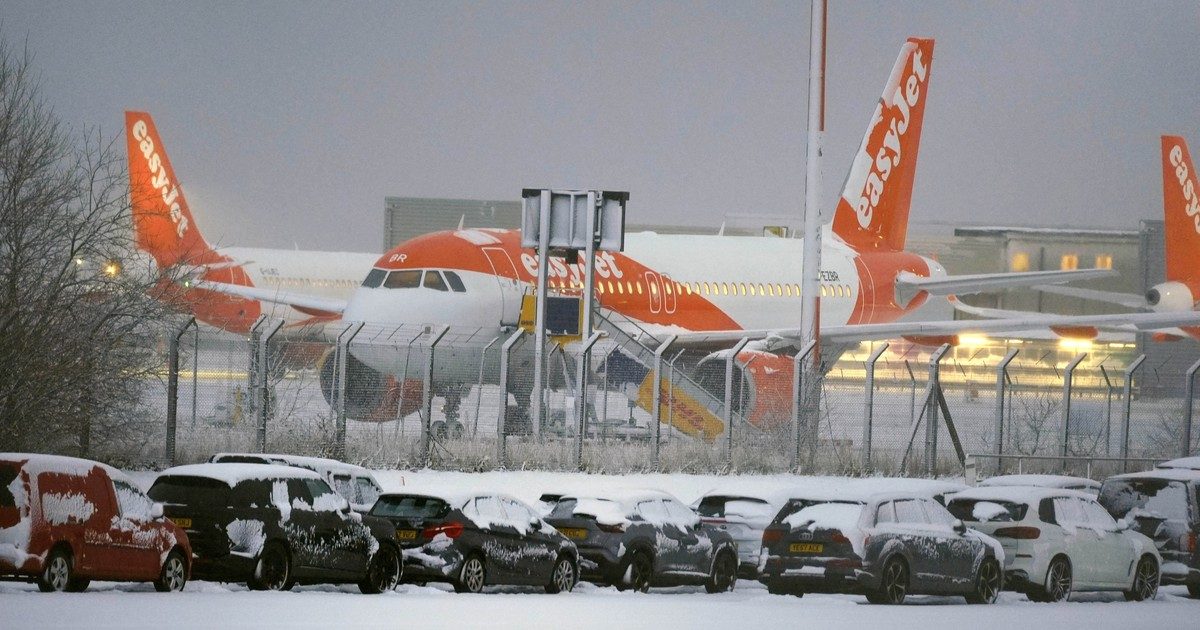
(299, 301)
(908, 285)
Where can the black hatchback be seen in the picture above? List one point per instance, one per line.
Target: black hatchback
(478, 539)
(646, 538)
(275, 526)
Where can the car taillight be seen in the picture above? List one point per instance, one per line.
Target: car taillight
(838, 537)
(452, 530)
(771, 535)
(1187, 542)
(1019, 533)
(614, 528)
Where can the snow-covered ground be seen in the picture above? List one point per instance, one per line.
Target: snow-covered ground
(206, 604)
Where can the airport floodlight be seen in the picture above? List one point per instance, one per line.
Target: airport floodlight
(569, 219)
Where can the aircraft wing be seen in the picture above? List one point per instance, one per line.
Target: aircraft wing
(908, 285)
(1128, 300)
(310, 304)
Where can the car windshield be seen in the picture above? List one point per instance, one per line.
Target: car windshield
(200, 491)
(793, 506)
(722, 506)
(1162, 498)
(410, 507)
(987, 510)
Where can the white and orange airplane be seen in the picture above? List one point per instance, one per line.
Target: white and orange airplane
(706, 290)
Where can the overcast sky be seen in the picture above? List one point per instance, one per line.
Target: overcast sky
(289, 122)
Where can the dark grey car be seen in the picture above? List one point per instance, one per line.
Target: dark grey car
(885, 546)
(1164, 505)
(476, 540)
(646, 538)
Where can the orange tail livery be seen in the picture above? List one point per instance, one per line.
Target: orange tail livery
(1181, 214)
(872, 213)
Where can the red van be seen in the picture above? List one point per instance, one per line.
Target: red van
(65, 522)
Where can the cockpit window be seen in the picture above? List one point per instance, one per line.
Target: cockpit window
(456, 283)
(406, 279)
(433, 280)
(374, 278)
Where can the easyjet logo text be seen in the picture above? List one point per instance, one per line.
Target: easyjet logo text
(1187, 183)
(895, 111)
(606, 267)
(158, 177)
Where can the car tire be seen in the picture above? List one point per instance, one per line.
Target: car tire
(173, 575)
(1057, 586)
(724, 573)
(58, 574)
(273, 571)
(988, 583)
(1146, 578)
(383, 571)
(563, 577)
(893, 583)
(640, 569)
(472, 576)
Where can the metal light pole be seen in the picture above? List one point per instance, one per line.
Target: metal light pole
(810, 305)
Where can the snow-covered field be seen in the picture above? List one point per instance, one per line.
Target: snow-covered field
(206, 604)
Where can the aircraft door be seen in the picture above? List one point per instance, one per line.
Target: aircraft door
(510, 288)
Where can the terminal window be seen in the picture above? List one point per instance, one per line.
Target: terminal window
(1020, 261)
(1070, 262)
(1104, 261)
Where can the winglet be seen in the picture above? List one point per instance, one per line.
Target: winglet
(1181, 213)
(872, 213)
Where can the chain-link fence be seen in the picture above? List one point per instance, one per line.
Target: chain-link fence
(413, 396)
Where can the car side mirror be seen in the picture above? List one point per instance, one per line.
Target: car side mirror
(535, 522)
(959, 527)
(1122, 525)
(156, 510)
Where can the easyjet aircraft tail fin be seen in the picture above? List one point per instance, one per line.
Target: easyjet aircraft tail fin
(162, 221)
(872, 213)
(1181, 213)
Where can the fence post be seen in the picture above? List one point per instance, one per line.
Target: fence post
(427, 395)
(1108, 388)
(1185, 448)
(252, 368)
(585, 355)
(1128, 394)
(173, 390)
(1068, 376)
(502, 417)
(797, 394)
(343, 349)
(869, 411)
(729, 361)
(1001, 387)
(264, 382)
(655, 401)
(931, 425)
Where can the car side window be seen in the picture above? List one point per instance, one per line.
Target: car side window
(909, 512)
(131, 501)
(343, 486)
(490, 511)
(937, 514)
(885, 513)
(1046, 512)
(652, 511)
(1069, 512)
(299, 497)
(324, 499)
(680, 513)
(518, 514)
(368, 492)
(1098, 516)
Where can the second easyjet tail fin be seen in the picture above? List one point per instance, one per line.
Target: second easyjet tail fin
(1181, 213)
(872, 213)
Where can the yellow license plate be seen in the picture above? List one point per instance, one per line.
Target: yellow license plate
(406, 534)
(182, 521)
(806, 548)
(574, 533)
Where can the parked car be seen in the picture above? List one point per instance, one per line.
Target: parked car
(1081, 484)
(478, 539)
(1190, 463)
(274, 526)
(743, 515)
(640, 539)
(65, 522)
(1060, 541)
(886, 546)
(1164, 505)
(355, 483)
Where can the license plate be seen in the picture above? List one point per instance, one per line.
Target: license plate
(182, 521)
(574, 533)
(406, 534)
(806, 548)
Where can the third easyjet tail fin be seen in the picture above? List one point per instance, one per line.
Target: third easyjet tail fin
(1181, 212)
(873, 210)
(162, 221)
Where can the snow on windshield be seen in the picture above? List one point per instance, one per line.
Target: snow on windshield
(985, 511)
(750, 511)
(1146, 497)
(843, 517)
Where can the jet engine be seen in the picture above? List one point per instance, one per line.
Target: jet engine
(371, 396)
(1170, 297)
(762, 385)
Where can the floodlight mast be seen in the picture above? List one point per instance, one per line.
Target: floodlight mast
(810, 305)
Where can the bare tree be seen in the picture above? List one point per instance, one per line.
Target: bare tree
(77, 323)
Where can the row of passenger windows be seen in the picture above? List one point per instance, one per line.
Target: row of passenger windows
(769, 289)
(413, 278)
(308, 282)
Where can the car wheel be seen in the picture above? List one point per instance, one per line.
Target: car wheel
(893, 583)
(472, 577)
(724, 573)
(988, 583)
(273, 572)
(383, 572)
(562, 580)
(638, 570)
(58, 573)
(173, 575)
(1145, 581)
(1058, 582)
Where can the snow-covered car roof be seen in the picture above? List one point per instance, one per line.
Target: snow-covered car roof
(627, 497)
(300, 460)
(37, 463)
(456, 498)
(1019, 494)
(233, 474)
(1174, 474)
(1042, 481)
(1191, 463)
